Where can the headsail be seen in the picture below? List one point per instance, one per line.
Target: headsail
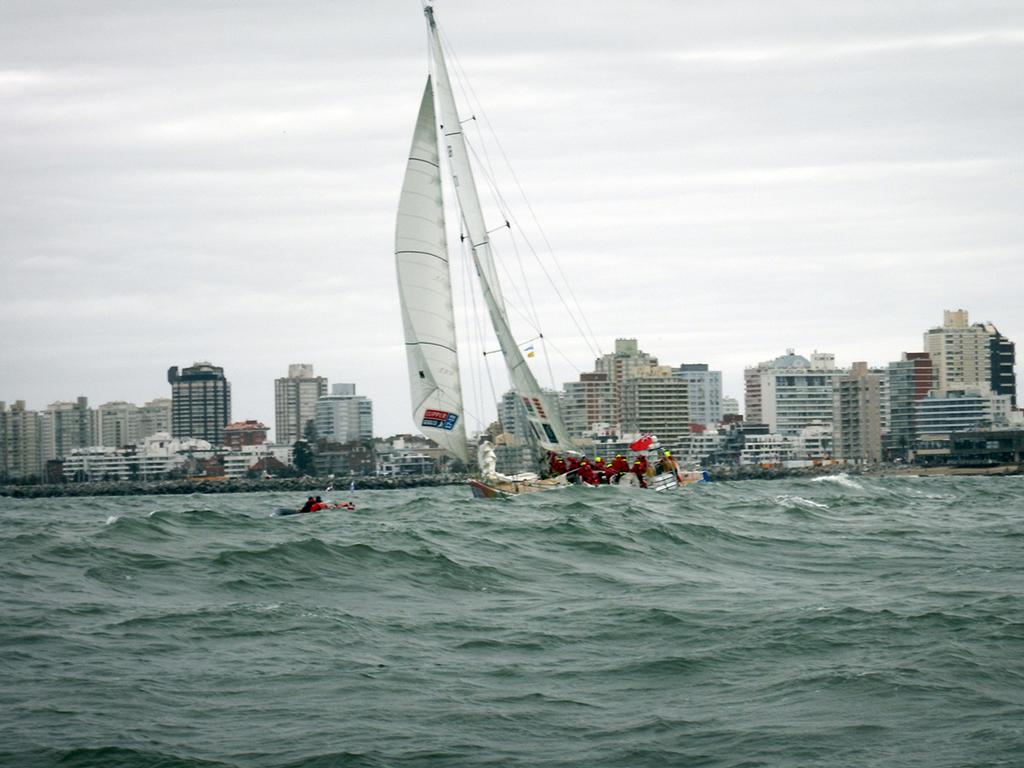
(544, 420)
(425, 292)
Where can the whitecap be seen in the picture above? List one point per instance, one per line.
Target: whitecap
(112, 519)
(842, 479)
(799, 501)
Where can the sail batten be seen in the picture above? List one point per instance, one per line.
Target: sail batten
(425, 293)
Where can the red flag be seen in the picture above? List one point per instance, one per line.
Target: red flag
(642, 444)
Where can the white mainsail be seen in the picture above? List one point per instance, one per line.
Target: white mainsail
(544, 420)
(425, 292)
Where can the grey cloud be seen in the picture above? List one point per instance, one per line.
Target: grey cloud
(721, 179)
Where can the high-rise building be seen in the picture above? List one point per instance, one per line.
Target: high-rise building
(66, 426)
(857, 415)
(1001, 362)
(344, 416)
(116, 424)
(791, 392)
(119, 424)
(730, 406)
(590, 405)
(626, 362)
(295, 402)
(705, 388)
(910, 380)
(154, 417)
(960, 352)
(657, 404)
(200, 402)
(23, 442)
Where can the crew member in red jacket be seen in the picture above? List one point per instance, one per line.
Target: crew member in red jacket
(619, 466)
(557, 465)
(586, 473)
(640, 469)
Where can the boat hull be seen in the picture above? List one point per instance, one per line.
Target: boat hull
(659, 483)
(497, 490)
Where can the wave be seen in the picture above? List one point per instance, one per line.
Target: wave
(430, 628)
(842, 479)
(106, 757)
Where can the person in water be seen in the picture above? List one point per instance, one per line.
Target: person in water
(308, 506)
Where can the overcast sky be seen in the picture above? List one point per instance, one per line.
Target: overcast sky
(721, 179)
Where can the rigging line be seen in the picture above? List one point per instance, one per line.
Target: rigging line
(590, 340)
(564, 356)
(547, 359)
(486, 363)
(516, 294)
(488, 175)
(529, 302)
(465, 83)
(487, 168)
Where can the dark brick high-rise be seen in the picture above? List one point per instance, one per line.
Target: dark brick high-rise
(200, 402)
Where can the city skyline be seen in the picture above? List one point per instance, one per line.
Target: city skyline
(959, 320)
(723, 182)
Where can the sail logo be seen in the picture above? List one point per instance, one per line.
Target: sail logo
(439, 419)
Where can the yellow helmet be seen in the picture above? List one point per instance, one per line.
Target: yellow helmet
(668, 453)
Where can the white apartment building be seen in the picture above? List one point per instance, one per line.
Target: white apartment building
(154, 417)
(21, 442)
(956, 410)
(960, 352)
(705, 388)
(695, 447)
(791, 392)
(590, 402)
(237, 463)
(814, 443)
(295, 402)
(659, 404)
(772, 449)
(344, 416)
(66, 426)
(626, 362)
(730, 405)
(118, 424)
(153, 457)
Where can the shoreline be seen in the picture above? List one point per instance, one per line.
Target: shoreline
(300, 485)
(303, 485)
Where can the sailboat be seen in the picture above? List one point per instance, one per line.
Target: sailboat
(422, 260)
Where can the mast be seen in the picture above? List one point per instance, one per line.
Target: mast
(425, 292)
(542, 415)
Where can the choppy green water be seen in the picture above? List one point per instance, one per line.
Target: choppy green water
(789, 623)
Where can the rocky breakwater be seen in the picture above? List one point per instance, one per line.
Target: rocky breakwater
(304, 485)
